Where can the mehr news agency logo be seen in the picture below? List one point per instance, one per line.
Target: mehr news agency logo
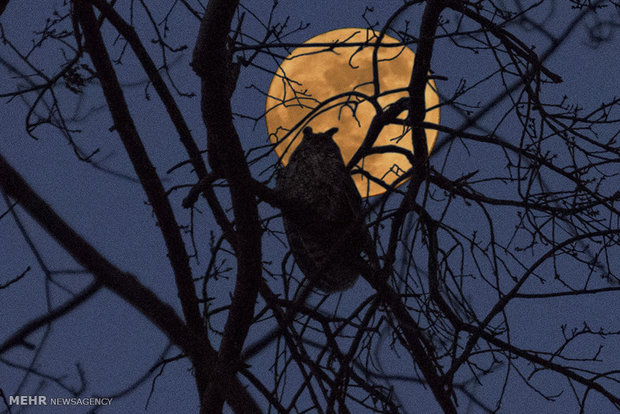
(42, 400)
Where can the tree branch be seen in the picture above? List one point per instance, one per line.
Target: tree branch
(129, 33)
(211, 61)
(151, 183)
(108, 275)
(19, 337)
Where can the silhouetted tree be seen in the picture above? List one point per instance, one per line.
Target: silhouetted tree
(516, 208)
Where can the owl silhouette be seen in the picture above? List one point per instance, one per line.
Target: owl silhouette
(323, 221)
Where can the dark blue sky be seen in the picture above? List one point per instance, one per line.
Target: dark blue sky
(112, 343)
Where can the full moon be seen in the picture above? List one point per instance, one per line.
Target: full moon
(311, 75)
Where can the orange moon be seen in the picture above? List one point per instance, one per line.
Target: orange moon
(311, 75)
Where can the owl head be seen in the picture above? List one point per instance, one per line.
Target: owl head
(321, 145)
(309, 135)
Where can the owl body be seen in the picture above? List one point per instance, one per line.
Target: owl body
(324, 224)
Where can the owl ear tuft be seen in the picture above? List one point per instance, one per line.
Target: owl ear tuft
(332, 131)
(308, 131)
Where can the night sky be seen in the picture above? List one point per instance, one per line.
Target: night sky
(112, 343)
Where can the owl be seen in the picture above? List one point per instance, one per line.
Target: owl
(323, 221)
